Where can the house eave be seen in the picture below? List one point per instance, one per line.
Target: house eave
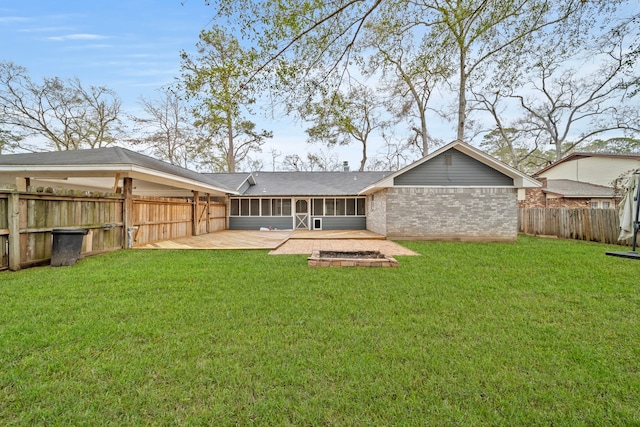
(112, 170)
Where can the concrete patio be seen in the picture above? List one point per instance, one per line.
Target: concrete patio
(302, 242)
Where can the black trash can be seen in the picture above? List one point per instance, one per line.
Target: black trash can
(67, 245)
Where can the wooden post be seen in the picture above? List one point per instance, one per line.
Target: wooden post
(127, 214)
(208, 213)
(14, 231)
(194, 211)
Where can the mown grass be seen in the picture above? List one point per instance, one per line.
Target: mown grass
(538, 332)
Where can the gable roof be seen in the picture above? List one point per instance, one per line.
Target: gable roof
(568, 188)
(585, 155)
(265, 184)
(107, 162)
(520, 180)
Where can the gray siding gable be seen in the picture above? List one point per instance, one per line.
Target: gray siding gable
(453, 168)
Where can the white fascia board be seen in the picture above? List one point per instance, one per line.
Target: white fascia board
(158, 177)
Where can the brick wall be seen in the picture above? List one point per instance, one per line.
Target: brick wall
(535, 198)
(377, 212)
(473, 214)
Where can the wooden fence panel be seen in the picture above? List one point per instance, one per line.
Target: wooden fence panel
(217, 217)
(159, 218)
(597, 225)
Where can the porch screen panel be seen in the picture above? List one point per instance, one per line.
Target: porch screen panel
(286, 207)
(329, 207)
(318, 207)
(244, 207)
(266, 207)
(235, 207)
(255, 207)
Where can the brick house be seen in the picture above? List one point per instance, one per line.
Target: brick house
(581, 180)
(566, 193)
(455, 193)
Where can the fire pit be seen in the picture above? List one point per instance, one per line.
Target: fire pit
(350, 259)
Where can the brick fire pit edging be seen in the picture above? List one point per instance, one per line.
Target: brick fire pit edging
(315, 260)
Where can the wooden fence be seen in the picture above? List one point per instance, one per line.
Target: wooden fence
(597, 225)
(156, 219)
(27, 220)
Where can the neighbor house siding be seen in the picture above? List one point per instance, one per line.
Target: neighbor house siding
(594, 170)
(447, 213)
(256, 222)
(453, 168)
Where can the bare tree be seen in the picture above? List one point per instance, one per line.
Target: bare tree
(568, 110)
(168, 128)
(64, 112)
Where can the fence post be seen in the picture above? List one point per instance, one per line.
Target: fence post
(127, 215)
(194, 216)
(14, 230)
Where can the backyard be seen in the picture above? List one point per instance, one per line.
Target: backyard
(538, 332)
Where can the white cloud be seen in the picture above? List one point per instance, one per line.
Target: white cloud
(78, 37)
(12, 19)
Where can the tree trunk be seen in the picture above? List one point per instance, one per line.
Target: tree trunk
(462, 97)
(364, 156)
(231, 158)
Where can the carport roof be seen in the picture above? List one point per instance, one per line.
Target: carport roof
(107, 162)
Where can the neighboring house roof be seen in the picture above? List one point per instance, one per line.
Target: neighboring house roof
(584, 155)
(520, 180)
(575, 189)
(107, 162)
(265, 184)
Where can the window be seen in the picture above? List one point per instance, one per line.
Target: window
(600, 204)
(343, 206)
(260, 207)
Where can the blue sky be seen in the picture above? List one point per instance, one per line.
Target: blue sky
(130, 46)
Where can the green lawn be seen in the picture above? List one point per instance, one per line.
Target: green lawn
(538, 332)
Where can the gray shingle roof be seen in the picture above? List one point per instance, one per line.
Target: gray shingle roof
(309, 183)
(229, 180)
(577, 189)
(104, 156)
